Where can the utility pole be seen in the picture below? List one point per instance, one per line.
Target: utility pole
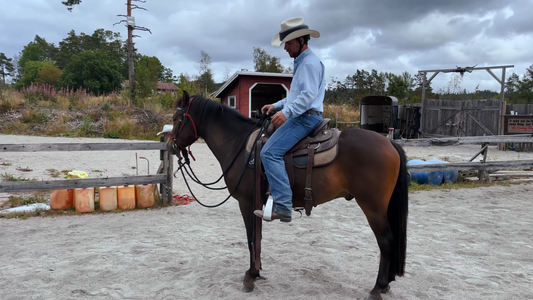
(130, 21)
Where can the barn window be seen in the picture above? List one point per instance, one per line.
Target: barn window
(232, 101)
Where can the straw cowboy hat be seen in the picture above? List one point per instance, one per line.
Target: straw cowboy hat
(291, 29)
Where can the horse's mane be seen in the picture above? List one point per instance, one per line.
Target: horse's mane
(211, 109)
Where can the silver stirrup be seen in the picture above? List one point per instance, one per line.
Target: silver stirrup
(267, 212)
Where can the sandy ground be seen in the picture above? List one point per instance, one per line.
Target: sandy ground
(462, 244)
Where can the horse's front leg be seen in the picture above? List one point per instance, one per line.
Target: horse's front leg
(248, 217)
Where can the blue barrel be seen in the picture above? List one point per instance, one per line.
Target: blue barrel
(432, 178)
(450, 176)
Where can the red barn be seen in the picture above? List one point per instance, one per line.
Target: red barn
(249, 91)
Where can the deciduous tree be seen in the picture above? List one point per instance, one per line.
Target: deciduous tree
(263, 62)
(204, 81)
(92, 70)
(49, 75)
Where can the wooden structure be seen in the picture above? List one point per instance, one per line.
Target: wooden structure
(501, 81)
(516, 124)
(161, 87)
(163, 176)
(166, 88)
(482, 167)
(249, 91)
(460, 118)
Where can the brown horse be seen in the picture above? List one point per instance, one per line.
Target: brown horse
(380, 189)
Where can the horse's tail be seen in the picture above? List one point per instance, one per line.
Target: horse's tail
(397, 215)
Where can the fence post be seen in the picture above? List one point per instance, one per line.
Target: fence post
(167, 169)
(170, 171)
(483, 175)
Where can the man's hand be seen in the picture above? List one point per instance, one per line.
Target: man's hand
(269, 108)
(278, 119)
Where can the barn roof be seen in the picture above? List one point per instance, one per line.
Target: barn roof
(246, 73)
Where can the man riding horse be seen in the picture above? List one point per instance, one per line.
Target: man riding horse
(296, 115)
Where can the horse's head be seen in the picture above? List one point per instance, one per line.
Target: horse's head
(184, 132)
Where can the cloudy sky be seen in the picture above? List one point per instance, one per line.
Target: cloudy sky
(386, 35)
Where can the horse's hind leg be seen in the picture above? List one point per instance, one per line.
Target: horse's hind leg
(253, 272)
(378, 221)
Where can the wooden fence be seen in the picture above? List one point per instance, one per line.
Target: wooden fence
(482, 167)
(163, 176)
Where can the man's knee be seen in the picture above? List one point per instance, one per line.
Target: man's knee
(265, 153)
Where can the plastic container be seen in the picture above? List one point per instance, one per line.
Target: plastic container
(432, 178)
(145, 195)
(84, 199)
(61, 199)
(108, 198)
(449, 176)
(126, 197)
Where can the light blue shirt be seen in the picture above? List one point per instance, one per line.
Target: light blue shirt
(308, 87)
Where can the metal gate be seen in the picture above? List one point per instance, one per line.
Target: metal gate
(461, 117)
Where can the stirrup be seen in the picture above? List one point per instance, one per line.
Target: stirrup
(267, 212)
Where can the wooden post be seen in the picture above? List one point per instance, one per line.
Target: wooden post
(483, 175)
(167, 168)
(169, 171)
(422, 128)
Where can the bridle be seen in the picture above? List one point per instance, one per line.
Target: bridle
(175, 145)
(182, 153)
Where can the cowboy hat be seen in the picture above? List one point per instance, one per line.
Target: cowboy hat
(291, 29)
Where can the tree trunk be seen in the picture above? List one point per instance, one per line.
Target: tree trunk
(131, 49)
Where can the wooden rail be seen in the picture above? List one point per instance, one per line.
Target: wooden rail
(164, 178)
(482, 167)
(490, 165)
(453, 141)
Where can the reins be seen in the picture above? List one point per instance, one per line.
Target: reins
(188, 169)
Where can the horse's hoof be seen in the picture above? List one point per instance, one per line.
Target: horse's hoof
(248, 281)
(374, 297)
(248, 288)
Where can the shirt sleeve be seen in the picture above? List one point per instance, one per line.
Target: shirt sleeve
(280, 104)
(308, 85)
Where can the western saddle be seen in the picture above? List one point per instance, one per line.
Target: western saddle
(318, 149)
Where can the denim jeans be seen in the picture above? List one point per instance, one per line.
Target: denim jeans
(281, 141)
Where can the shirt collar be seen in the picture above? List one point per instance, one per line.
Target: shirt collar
(302, 55)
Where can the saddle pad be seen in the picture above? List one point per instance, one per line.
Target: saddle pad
(320, 159)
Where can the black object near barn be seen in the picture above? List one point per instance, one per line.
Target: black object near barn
(379, 113)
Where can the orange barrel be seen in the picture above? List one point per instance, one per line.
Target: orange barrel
(61, 199)
(108, 197)
(145, 195)
(126, 197)
(84, 199)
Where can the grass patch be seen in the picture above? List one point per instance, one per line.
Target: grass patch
(53, 172)
(12, 178)
(16, 201)
(462, 184)
(7, 164)
(345, 113)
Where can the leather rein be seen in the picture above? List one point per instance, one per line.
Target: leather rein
(183, 156)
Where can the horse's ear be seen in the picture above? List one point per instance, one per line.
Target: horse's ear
(185, 101)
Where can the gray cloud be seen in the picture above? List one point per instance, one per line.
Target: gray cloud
(386, 35)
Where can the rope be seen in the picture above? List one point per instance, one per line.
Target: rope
(182, 200)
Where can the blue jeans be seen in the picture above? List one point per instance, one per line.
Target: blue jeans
(281, 141)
